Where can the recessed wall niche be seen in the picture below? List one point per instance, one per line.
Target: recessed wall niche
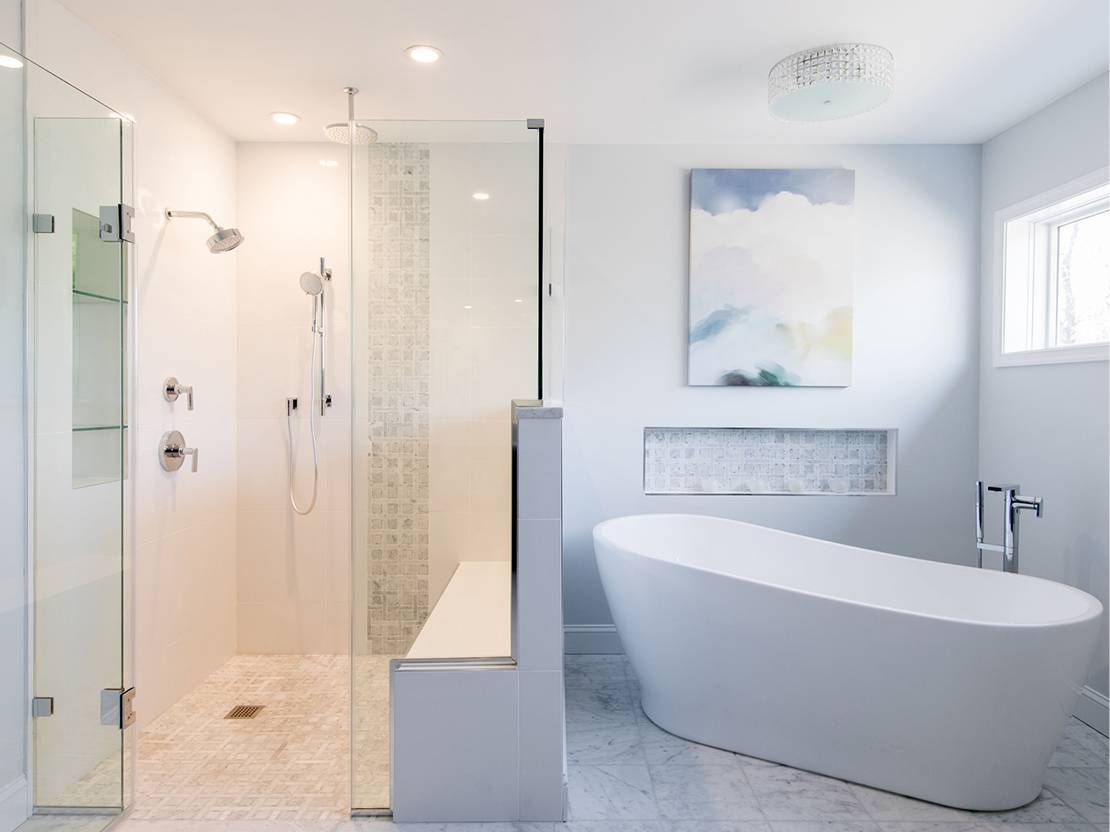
(768, 461)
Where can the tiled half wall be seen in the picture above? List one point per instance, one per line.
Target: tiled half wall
(769, 461)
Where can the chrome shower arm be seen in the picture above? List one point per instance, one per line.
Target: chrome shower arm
(200, 215)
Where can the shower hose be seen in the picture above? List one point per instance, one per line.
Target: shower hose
(313, 430)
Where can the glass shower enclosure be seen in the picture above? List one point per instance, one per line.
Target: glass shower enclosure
(445, 331)
(69, 298)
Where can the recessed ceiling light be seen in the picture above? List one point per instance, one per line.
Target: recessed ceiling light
(423, 54)
(329, 163)
(467, 306)
(481, 196)
(8, 62)
(286, 119)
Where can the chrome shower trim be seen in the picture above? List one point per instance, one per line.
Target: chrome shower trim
(196, 215)
(225, 239)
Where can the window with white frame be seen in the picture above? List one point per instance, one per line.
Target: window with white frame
(1053, 276)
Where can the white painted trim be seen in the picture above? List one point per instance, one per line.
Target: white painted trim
(591, 638)
(1094, 709)
(1055, 355)
(15, 804)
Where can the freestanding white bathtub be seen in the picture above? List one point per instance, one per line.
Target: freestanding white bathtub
(946, 683)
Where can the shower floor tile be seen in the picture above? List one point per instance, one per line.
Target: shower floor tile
(289, 763)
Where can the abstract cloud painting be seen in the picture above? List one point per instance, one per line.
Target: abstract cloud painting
(770, 278)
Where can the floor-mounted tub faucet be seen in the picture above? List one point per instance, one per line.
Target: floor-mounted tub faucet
(1013, 503)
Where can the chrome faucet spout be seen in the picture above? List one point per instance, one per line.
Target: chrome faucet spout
(1013, 504)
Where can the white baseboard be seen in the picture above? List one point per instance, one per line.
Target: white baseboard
(1094, 709)
(591, 638)
(14, 804)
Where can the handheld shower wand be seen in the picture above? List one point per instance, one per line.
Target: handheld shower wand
(312, 283)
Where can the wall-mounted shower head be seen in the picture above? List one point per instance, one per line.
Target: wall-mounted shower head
(312, 283)
(225, 239)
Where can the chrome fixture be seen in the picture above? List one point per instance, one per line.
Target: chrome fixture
(312, 284)
(225, 239)
(1012, 505)
(172, 389)
(172, 451)
(341, 132)
(830, 82)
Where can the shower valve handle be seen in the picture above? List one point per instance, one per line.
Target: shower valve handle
(172, 451)
(172, 389)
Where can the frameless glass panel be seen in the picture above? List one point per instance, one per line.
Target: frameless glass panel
(78, 291)
(445, 334)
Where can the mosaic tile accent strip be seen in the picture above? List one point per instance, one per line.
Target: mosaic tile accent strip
(399, 337)
(768, 461)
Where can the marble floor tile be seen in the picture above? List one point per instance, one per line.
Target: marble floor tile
(718, 826)
(882, 805)
(1080, 747)
(1048, 808)
(825, 826)
(592, 670)
(788, 794)
(700, 792)
(663, 748)
(618, 745)
(604, 706)
(1083, 789)
(610, 793)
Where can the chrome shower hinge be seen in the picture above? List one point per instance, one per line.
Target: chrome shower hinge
(115, 223)
(117, 707)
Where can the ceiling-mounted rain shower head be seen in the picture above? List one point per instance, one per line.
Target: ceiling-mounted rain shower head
(340, 131)
(225, 239)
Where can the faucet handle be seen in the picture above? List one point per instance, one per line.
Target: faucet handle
(172, 389)
(172, 451)
(1035, 504)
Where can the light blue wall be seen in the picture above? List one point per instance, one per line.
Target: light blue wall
(915, 363)
(1045, 427)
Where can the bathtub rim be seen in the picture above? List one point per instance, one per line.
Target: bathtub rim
(1094, 608)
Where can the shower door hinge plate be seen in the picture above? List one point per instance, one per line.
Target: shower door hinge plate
(42, 223)
(115, 223)
(117, 707)
(42, 706)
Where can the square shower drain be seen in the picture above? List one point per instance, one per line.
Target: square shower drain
(244, 712)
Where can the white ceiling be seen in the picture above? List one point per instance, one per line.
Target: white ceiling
(607, 71)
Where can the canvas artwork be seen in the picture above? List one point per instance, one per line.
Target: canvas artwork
(770, 278)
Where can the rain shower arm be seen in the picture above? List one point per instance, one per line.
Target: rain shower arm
(199, 215)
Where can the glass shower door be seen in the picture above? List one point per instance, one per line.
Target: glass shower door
(78, 427)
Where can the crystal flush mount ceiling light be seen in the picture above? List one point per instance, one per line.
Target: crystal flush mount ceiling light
(830, 82)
